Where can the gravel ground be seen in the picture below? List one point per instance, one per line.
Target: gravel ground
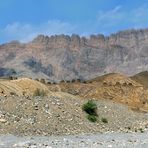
(58, 121)
(63, 115)
(106, 140)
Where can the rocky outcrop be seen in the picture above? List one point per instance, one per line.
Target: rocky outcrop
(75, 57)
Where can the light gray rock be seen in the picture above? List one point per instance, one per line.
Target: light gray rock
(72, 57)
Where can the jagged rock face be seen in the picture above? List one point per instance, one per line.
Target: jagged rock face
(68, 57)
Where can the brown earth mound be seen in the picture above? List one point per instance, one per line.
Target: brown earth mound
(116, 87)
(23, 86)
(141, 78)
(59, 112)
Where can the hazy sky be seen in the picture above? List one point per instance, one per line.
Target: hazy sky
(24, 19)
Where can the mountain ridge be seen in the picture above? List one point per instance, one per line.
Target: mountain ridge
(66, 57)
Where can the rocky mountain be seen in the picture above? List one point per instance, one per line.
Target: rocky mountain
(66, 57)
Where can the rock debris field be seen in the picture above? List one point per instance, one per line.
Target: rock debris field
(50, 122)
(62, 114)
(57, 120)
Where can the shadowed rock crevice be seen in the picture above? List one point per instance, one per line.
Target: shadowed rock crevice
(36, 66)
(6, 72)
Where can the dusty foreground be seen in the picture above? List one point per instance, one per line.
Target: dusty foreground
(63, 115)
(115, 140)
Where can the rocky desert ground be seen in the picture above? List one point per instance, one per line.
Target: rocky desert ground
(55, 112)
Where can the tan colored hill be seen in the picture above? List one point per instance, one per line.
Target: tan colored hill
(60, 112)
(116, 87)
(20, 87)
(141, 78)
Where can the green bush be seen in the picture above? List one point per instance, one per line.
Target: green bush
(42, 81)
(39, 92)
(13, 94)
(90, 107)
(104, 120)
(141, 130)
(92, 118)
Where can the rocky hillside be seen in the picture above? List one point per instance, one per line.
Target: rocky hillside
(21, 87)
(59, 112)
(115, 87)
(69, 57)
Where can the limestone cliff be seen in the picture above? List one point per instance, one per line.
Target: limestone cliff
(68, 57)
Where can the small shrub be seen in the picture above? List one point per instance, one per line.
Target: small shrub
(42, 81)
(39, 92)
(24, 92)
(129, 128)
(141, 130)
(73, 80)
(90, 107)
(49, 83)
(37, 79)
(13, 94)
(92, 118)
(10, 78)
(104, 120)
(62, 81)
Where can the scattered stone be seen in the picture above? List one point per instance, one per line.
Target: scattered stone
(3, 120)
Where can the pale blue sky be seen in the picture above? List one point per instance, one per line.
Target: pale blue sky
(24, 19)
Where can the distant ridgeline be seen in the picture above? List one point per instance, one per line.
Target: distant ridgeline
(63, 57)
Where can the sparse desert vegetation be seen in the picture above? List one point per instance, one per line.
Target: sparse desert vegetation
(91, 109)
(39, 92)
(92, 118)
(104, 120)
